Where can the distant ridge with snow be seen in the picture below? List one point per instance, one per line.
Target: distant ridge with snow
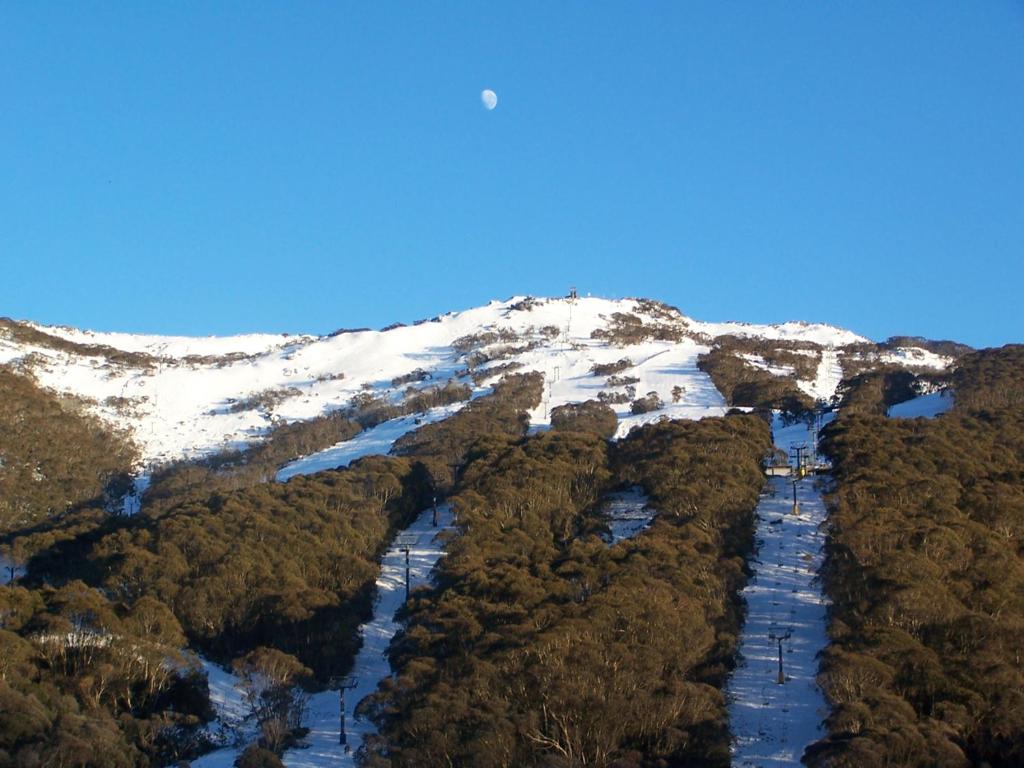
(187, 397)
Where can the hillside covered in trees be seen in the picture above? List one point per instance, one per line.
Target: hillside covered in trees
(541, 645)
(54, 456)
(277, 573)
(926, 572)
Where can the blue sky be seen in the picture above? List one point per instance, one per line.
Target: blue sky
(225, 167)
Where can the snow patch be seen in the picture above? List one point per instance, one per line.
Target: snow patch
(915, 357)
(627, 513)
(232, 727)
(817, 333)
(924, 406)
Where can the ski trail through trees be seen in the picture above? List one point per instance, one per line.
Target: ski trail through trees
(773, 723)
(426, 545)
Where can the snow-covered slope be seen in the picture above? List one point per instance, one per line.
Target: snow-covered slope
(923, 406)
(774, 719)
(184, 397)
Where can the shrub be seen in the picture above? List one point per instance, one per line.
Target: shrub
(416, 375)
(255, 756)
(266, 399)
(608, 369)
(622, 381)
(590, 416)
(650, 402)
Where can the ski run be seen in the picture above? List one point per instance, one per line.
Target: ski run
(776, 709)
(775, 706)
(191, 397)
(417, 548)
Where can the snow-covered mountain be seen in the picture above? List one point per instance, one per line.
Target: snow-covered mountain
(181, 397)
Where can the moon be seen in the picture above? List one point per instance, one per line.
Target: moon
(489, 99)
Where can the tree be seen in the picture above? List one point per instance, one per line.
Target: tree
(274, 691)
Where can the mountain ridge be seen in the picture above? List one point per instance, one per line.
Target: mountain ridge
(186, 397)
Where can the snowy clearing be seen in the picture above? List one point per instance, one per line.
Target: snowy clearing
(627, 514)
(829, 374)
(233, 727)
(924, 406)
(322, 747)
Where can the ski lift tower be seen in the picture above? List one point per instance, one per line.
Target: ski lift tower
(781, 679)
(815, 429)
(405, 542)
(568, 325)
(346, 683)
(798, 452)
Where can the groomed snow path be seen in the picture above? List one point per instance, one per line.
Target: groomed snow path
(773, 723)
(426, 545)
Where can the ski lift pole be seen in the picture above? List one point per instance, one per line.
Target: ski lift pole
(343, 684)
(781, 679)
(405, 543)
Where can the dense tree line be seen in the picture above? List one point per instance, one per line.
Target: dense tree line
(443, 446)
(801, 356)
(925, 568)
(232, 470)
(943, 347)
(990, 379)
(287, 565)
(89, 682)
(874, 391)
(743, 385)
(285, 569)
(541, 645)
(54, 457)
(275, 576)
